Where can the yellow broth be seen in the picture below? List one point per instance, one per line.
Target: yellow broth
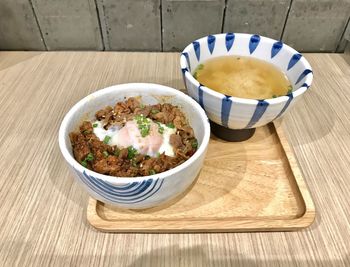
(244, 77)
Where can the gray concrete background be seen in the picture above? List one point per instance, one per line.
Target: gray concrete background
(169, 25)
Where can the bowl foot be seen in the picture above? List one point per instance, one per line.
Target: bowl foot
(231, 135)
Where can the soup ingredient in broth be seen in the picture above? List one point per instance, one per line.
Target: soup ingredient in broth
(243, 76)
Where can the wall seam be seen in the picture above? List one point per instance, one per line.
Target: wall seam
(286, 20)
(161, 24)
(223, 17)
(99, 25)
(37, 22)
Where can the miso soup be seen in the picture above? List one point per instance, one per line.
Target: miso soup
(243, 76)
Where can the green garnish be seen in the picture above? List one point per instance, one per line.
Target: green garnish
(194, 144)
(147, 157)
(106, 140)
(86, 132)
(95, 125)
(290, 89)
(105, 153)
(171, 125)
(144, 125)
(200, 66)
(140, 118)
(144, 129)
(142, 105)
(133, 163)
(116, 152)
(131, 152)
(195, 75)
(274, 96)
(158, 154)
(154, 111)
(84, 163)
(160, 129)
(152, 172)
(89, 157)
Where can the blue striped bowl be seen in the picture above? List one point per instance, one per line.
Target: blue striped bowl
(241, 113)
(136, 192)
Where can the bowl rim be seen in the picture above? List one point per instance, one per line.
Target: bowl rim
(280, 99)
(63, 131)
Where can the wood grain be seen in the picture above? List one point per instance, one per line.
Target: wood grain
(254, 185)
(43, 210)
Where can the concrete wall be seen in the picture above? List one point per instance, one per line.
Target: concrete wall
(168, 25)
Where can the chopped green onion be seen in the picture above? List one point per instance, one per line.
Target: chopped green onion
(133, 163)
(95, 125)
(194, 143)
(160, 129)
(152, 172)
(138, 117)
(84, 163)
(154, 111)
(147, 157)
(142, 105)
(105, 153)
(158, 154)
(116, 152)
(131, 152)
(195, 75)
(144, 129)
(89, 157)
(143, 125)
(107, 139)
(171, 125)
(274, 96)
(86, 132)
(290, 90)
(200, 66)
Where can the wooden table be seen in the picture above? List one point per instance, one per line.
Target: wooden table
(43, 211)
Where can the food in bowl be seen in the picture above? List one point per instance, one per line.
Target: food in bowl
(238, 113)
(142, 191)
(243, 76)
(133, 139)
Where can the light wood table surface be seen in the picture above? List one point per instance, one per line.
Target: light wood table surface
(43, 211)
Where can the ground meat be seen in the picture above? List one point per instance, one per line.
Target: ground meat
(176, 141)
(111, 160)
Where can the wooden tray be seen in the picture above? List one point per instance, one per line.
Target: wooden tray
(255, 185)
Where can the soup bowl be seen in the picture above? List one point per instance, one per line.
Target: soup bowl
(231, 112)
(136, 192)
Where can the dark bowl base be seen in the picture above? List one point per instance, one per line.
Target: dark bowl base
(231, 135)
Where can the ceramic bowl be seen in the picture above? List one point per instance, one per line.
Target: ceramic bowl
(137, 192)
(239, 113)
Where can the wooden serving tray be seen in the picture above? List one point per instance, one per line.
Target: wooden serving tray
(255, 185)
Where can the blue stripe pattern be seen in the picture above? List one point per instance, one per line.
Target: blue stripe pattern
(139, 192)
(211, 43)
(226, 104)
(294, 59)
(197, 49)
(200, 96)
(302, 75)
(187, 59)
(253, 43)
(183, 74)
(305, 85)
(286, 105)
(229, 39)
(276, 47)
(258, 113)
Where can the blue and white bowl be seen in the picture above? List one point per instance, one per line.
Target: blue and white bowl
(240, 113)
(136, 192)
